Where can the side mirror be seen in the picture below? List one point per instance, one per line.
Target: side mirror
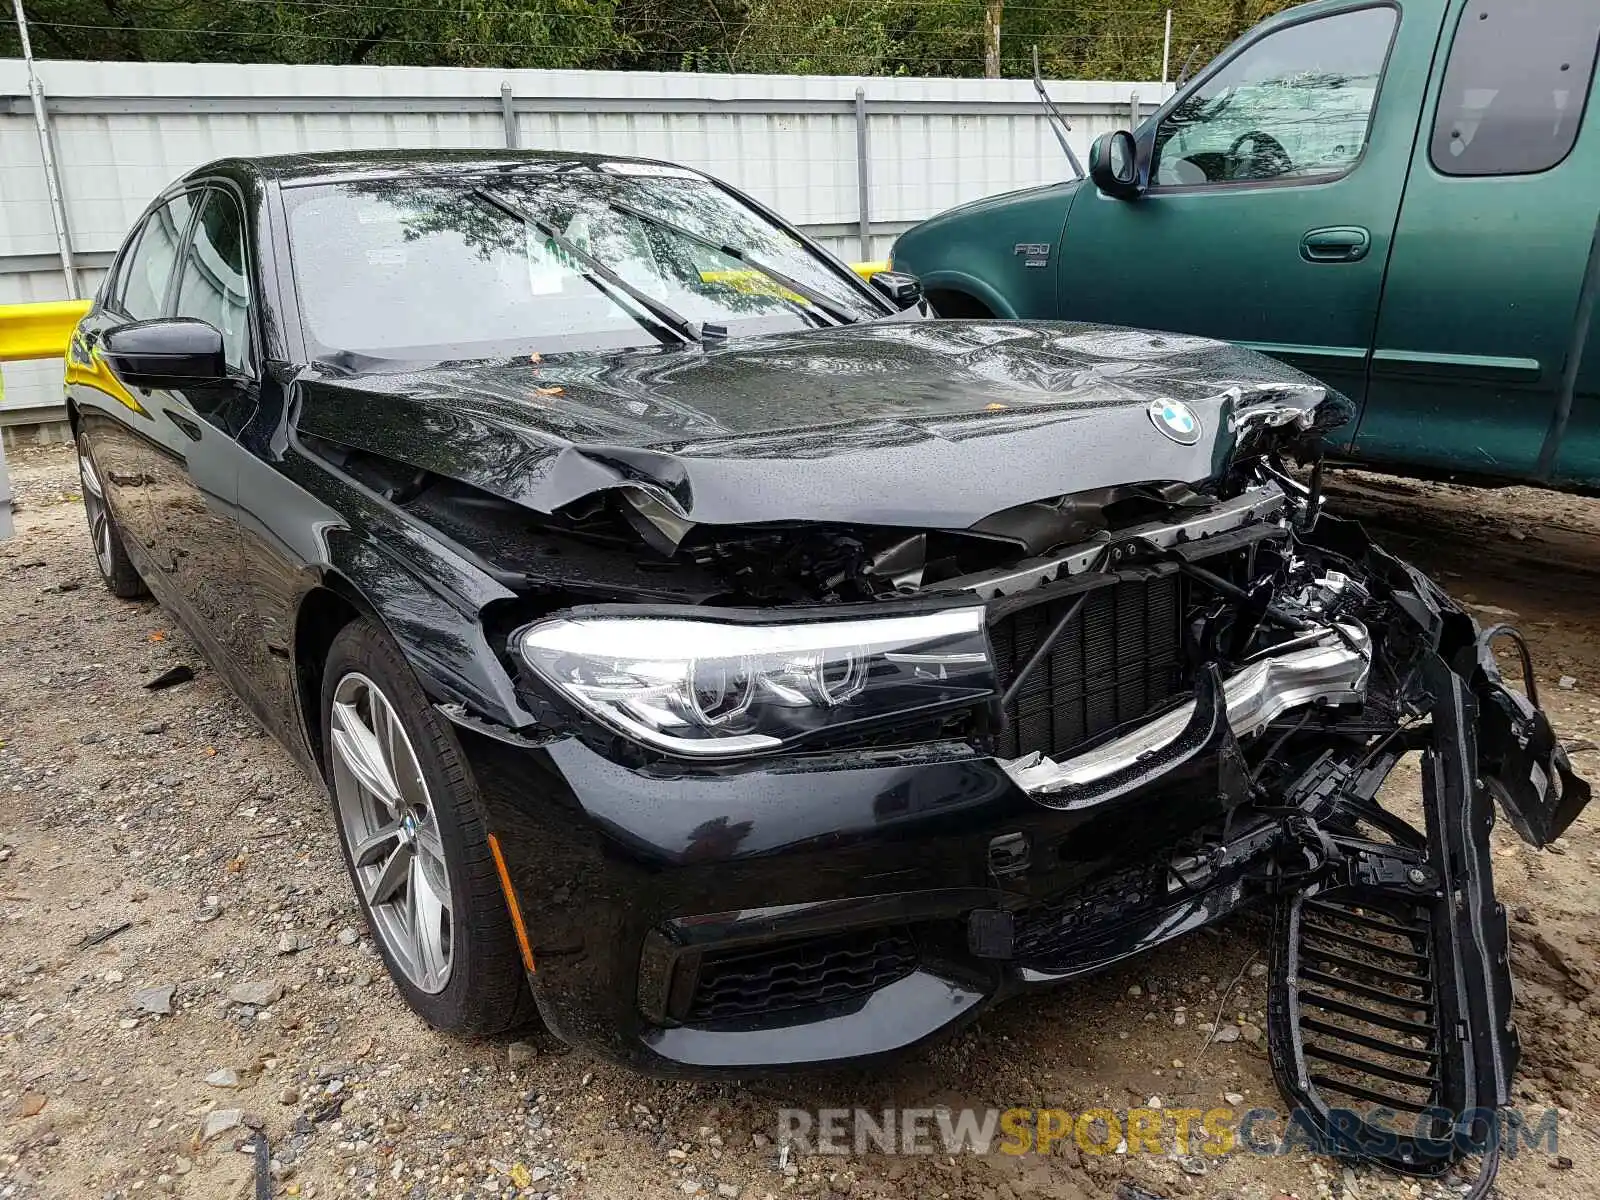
(900, 289)
(175, 352)
(1114, 164)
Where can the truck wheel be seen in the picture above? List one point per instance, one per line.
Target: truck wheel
(959, 305)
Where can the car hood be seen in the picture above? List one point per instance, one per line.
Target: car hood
(1001, 201)
(928, 424)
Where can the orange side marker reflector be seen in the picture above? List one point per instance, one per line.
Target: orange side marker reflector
(511, 902)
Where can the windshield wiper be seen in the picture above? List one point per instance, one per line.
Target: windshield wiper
(681, 328)
(809, 294)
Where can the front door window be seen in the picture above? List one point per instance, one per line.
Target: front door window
(213, 286)
(1294, 105)
(146, 271)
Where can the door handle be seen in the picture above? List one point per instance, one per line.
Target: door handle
(1335, 244)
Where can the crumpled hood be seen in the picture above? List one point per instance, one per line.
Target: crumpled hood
(932, 424)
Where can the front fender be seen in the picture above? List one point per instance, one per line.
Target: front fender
(336, 534)
(439, 629)
(971, 285)
(1000, 250)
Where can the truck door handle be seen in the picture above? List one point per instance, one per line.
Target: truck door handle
(1335, 244)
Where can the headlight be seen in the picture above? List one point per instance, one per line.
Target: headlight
(710, 688)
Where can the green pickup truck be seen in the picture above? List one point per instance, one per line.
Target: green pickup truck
(1403, 200)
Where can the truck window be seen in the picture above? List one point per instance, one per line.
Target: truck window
(1293, 105)
(1515, 86)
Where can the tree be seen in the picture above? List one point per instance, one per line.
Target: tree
(993, 11)
(1098, 39)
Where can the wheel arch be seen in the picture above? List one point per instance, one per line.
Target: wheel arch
(968, 291)
(325, 609)
(957, 305)
(486, 990)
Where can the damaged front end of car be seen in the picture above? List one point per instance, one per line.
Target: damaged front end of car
(1253, 673)
(1319, 662)
(863, 760)
(1271, 667)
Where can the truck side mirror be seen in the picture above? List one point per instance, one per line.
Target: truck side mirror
(1114, 165)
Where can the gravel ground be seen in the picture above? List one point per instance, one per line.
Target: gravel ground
(182, 963)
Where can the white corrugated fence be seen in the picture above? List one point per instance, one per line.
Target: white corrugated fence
(123, 131)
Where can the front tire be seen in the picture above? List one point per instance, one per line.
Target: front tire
(111, 559)
(414, 842)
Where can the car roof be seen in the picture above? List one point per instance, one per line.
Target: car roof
(333, 165)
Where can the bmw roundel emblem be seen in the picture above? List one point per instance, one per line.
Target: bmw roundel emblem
(1175, 420)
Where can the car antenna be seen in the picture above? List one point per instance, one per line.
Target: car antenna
(1183, 75)
(1058, 122)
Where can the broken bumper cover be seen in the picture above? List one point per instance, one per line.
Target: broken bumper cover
(696, 918)
(1390, 1011)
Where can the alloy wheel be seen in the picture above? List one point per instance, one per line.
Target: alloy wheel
(94, 503)
(392, 830)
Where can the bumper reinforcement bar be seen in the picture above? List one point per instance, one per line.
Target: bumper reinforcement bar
(1327, 665)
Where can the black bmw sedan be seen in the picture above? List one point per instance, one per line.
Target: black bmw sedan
(718, 656)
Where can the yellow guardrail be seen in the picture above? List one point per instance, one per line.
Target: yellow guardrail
(42, 330)
(743, 279)
(38, 330)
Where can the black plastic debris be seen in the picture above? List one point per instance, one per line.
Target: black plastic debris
(170, 678)
(263, 1167)
(100, 936)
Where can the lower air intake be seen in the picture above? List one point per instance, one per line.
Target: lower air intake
(800, 973)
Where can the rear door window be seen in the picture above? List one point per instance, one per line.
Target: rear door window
(1515, 86)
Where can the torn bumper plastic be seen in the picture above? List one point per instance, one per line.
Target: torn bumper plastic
(1389, 1016)
(1390, 1010)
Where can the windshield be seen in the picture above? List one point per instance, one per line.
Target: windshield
(413, 268)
